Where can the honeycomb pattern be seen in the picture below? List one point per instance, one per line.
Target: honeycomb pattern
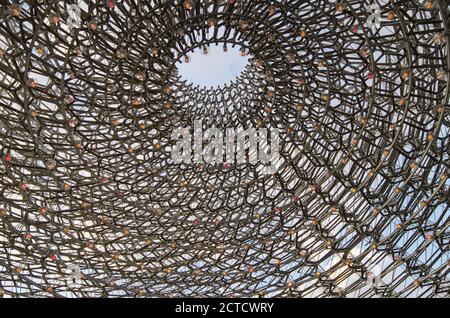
(357, 207)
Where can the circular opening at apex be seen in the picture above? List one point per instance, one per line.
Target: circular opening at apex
(212, 66)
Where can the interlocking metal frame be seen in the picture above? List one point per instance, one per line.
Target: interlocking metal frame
(91, 204)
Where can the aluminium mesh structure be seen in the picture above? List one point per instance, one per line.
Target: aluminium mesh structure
(91, 204)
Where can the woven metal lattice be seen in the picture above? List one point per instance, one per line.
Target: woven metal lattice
(91, 204)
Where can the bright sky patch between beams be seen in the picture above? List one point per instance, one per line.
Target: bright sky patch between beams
(217, 68)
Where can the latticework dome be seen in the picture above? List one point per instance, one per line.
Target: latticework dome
(357, 207)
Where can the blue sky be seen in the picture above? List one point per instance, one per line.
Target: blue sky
(213, 69)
